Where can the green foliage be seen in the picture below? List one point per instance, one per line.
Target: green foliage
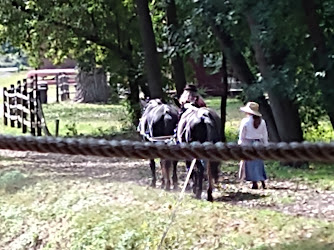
(72, 129)
(322, 131)
(11, 181)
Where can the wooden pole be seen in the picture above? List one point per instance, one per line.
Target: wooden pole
(5, 103)
(32, 113)
(57, 127)
(18, 104)
(24, 106)
(11, 101)
(57, 88)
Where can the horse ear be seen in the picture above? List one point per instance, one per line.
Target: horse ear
(177, 103)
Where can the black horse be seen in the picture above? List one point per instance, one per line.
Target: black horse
(160, 120)
(202, 125)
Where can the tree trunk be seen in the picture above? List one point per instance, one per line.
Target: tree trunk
(285, 111)
(242, 71)
(150, 49)
(92, 87)
(177, 62)
(134, 100)
(223, 100)
(321, 58)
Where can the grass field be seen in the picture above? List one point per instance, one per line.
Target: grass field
(55, 202)
(51, 201)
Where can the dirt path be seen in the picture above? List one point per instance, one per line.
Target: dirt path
(284, 196)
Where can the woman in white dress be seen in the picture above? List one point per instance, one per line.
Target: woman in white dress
(252, 129)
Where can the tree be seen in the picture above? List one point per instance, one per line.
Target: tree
(223, 101)
(150, 49)
(176, 59)
(321, 58)
(244, 74)
(101, 33)
(284, 109)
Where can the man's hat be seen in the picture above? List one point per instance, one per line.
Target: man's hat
(191, 87)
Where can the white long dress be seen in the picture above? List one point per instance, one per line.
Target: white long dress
(248, 134)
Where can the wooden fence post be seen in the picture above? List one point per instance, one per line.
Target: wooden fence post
(32, 113)
(12, 101)
(37, 113)
(18, 104)
(57, 128)
(24, 106)
(5, 103)
(57, 88)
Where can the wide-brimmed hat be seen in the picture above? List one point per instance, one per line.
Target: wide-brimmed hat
(251, 108)
(191, 87)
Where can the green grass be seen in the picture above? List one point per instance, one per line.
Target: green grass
(12, 78)
(87, 119)
(321, 175)
(69, 214)
(233, 116)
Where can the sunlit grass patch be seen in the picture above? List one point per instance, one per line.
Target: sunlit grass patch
(321, 175)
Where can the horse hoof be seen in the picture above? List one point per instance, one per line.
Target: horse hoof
(176, 188)
(153, 184)
(210, 198)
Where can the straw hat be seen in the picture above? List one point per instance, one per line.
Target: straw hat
(251, 108)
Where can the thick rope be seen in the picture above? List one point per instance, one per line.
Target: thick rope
(289, 152)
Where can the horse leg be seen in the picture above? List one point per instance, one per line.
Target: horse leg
(163, 173)
(154, 178)
(200, 175)
(210, 180)
(194, 176)
(168, 165)
(175, 185)
(215, 171)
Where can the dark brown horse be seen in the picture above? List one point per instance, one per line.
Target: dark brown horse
(201, 125)
(158, 123)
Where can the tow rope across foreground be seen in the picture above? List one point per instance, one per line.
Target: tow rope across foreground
(306, 151)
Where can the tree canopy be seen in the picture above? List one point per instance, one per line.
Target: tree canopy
(280, 50)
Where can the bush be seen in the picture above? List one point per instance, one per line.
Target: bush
(323, 132)
(11, 181)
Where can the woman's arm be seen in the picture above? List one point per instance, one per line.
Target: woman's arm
(265, 133)
(242, 132)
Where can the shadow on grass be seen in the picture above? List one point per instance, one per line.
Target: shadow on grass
(239, 196)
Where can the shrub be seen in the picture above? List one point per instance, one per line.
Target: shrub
(11, 181)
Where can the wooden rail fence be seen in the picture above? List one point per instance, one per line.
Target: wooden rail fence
(23, 109)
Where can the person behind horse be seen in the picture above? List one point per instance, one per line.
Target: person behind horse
(252, 129)
(191, 95)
